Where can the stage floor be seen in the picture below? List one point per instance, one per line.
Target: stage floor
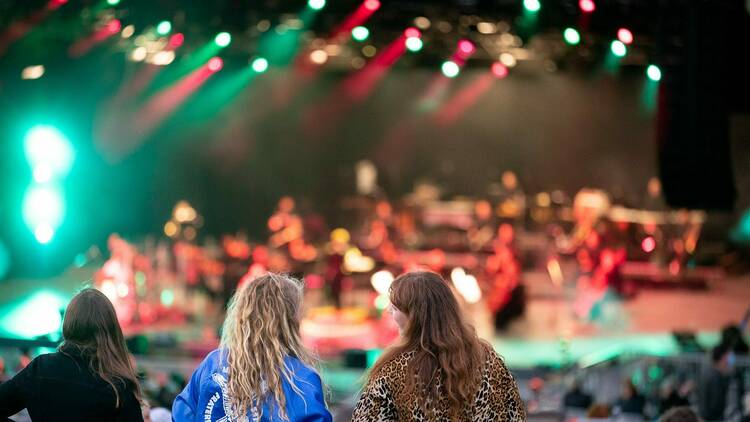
(551, 333)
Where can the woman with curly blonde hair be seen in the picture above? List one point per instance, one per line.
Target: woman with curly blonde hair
(261, 371)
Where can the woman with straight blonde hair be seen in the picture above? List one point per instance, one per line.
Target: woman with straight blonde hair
(261, 371)
(440, 370)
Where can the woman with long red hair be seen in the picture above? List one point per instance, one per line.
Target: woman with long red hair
(440, 370)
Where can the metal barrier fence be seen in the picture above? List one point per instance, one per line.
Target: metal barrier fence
(648, 373)
(604, 380)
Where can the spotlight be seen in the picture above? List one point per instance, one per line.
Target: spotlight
(114, 26)
(47, 146)
(215, 64)
(508, 60)
(44, 233)
(176, 40)
(532, 5)
(648, 244)
(260, 65)
(128, 31)
(360, 33)
(372, 5)
(223, 39)
(653, 72)
(618, 48)
(319, 56)
(316, 4)
(624, 35)
(414, 44)
(164, 28)
(412, 33)
(466, 46)
(587, 6)
(32, 72)
(499, 70)
(450, 69)
(572, 36)
(422, 22)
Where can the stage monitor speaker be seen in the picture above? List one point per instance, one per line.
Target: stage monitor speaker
(137, 344)
(696, 51)
(361, 359)
(355, 358)
(687, 342)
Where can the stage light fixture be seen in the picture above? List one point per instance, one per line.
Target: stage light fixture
(412, 32)
(624, 35)
(215, 64)
(163, 28)
(450, 69)
(499, 70)
(466, 46)
(653, 72)
(618, 48)
(414, 44)
(260, 65)
(587, 6)
(360, 33)
(532, 5)
(223, 39)
(572, 36)
(316, 4)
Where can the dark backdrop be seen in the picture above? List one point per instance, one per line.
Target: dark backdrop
(286, 134)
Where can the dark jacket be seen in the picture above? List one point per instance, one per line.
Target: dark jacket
(61, 387)
(633, 405)
(712, 395)
(577, 399)
(673, 400)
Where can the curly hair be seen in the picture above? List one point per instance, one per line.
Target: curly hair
(261, 329)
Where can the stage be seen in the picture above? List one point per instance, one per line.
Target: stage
(549, 334)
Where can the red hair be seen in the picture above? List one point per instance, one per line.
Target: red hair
(442, 341)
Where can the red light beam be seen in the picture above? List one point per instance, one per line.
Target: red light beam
(361, 84)
(340, 34)
(81, 47)
(323, 117)
(121, 131)
(19, 29)
(356, 18)
(454, 108)
(166, 102)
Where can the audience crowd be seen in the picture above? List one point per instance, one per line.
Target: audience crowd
(89, 340)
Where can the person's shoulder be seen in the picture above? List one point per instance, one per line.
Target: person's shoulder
(391, 374)
(401, 360)
(494, 363)
(213, 362)
(489, 351)
(48, 357)
(54, 360)
(395, 368)
(215, 354)
(301, 369)
(56, 364)
(215, 358)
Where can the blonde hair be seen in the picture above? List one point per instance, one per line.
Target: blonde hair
(261, 329)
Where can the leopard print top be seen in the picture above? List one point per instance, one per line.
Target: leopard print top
(497, 399)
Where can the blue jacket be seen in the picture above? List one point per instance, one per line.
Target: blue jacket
(202, 400)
